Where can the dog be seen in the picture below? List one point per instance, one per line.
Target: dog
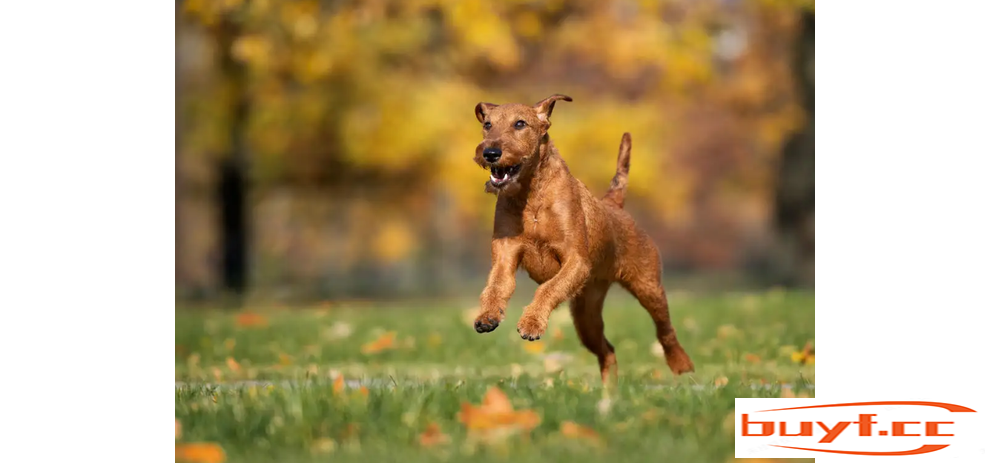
(574, 245)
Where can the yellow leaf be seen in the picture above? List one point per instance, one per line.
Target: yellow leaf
(534, 347)
(201, 452)
(323, 446)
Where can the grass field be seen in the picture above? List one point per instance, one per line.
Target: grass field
(359, 383)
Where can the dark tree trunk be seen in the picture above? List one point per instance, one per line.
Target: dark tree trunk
(794, 255)
(232, 187)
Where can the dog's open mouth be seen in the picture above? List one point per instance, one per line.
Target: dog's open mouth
(502, 174)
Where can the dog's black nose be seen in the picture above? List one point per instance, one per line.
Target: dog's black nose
(492, 154)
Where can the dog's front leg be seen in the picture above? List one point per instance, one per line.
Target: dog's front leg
(565, 284)
(506, 255)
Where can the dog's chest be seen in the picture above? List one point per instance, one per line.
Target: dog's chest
(539, 258)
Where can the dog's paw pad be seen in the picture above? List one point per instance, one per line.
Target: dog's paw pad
(485, 325)
(531, 330)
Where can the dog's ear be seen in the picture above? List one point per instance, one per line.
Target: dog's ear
(482, 110)
(545, 107)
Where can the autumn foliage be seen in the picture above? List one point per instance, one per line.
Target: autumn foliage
(356, 119)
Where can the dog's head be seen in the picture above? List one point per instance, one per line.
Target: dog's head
(513, 134)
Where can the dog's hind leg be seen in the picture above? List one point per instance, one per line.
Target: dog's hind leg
(586, 310)
(650, 293)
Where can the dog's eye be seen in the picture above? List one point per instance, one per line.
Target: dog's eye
(520, 124)
(487, 125)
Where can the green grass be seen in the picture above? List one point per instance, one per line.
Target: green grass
(438, 362)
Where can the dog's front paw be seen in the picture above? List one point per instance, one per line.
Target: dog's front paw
(531, 328)
(487, 322)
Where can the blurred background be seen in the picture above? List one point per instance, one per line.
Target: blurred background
(324, 147)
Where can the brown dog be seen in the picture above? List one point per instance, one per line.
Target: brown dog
(572, 244)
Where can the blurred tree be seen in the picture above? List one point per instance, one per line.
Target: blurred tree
(795, 196)
(357, 117)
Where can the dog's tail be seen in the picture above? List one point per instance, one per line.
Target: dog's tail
(617, 192)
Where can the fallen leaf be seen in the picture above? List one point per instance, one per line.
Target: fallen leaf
(495, 417)
(604, 406)
(806, 356)
(284, 359)
(251, 320)
(233, 365)
(323, 446)
(752, 358)
(384, 342)
(534, 347)
(433, 436)
(338, 384)
(721, 381)
(199, 452)
(657, 349)
(727, 331)
(576, 431)
(178, 429)
(339, 330)
(363, 391)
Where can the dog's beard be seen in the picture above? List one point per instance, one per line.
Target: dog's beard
(512, 186)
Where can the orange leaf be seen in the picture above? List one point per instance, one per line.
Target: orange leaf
(752, 358)
(721, 381)
(363, 391)
(200, 452)
(284, 360)
(338, 384)
(495, 401)
(178, 429)
(250, 320)
(576, 431)
(433, 436)
(386, 341)
(233, 365)
(496, 413)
